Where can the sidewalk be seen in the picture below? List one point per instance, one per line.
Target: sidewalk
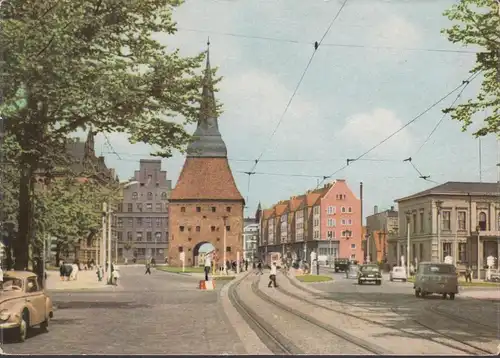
(488, 294)
(87, 280)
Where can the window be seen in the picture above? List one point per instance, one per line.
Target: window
(482, 222)
(158, 222)
(349, 222)
(353, 246)
(316, 210)
(421, 252)
(214, 209)
(120, 208)
(119, 222)
(181, 249)
(316, 234)
(228, 228)
(228, 248)
(130, 222)
(198, 228)
(447, 250)
(166, 236)
(134, 196)
(315, 222)
(130, 207)
(119, 236)
(342, 209)
(421, 221)
(138, 221)
(413, 252)
(212, 228)
(32, 285)
(331, 234)
(331, 222)
(462, 252)
(149, 207)
(462, 220)
(331, 210)
(157, 236)
(150, 196)
(228, 209)
(129, 236)
(198, 209)
(163, 196)
(346, 233)
(149, 236)
(445, 220)
(148, 222)
(498, 222)
(414, 223)
(183, 209)
(139, 206)
(353, 257)
(181, 228)
(349, 209)
(158, 207)
(138, 236)
(343, 221)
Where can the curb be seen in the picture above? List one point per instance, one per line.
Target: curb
(249, 339)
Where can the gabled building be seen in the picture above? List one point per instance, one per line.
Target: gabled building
(205, 205)
(326, 220)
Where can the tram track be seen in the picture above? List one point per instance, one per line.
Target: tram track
(458, 344)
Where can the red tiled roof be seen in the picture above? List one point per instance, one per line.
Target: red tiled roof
(295, 203)
(206, 178)
(281, 208)
(267, 213)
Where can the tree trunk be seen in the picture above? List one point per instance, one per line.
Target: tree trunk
(58, 254)
(8, 252)
(22, 242)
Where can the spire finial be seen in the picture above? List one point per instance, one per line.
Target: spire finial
(208, 42)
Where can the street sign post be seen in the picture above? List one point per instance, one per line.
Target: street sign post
(490, 261)
(182, 257)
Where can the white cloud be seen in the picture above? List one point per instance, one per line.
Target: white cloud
(395, 31)
(364, 130)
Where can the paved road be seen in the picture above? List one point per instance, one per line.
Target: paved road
(158, 314)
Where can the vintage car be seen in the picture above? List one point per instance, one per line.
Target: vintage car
(341, 264)
(398, 273)
(23, 304)
(437, 278)
(369, 273)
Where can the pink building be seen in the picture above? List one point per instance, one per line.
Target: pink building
(341, 225)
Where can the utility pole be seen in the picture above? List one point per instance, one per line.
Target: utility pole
(438, 206)
(361, 215)
(224, 218)
(408, 227)
(478, 230)
(110, 213)
(102, 250)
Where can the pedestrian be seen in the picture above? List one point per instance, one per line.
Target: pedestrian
(259, 268)
(126, 261)
(246, 265)
(61, 270)
(208, 265)
(1, 275)
(272, 275)
(468, 274)
(148, 268)
(115, 275)
(99, 273)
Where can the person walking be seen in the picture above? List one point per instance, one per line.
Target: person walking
(208, 265)
(148, 268)
(272, 275)
(468, 274)
(246, 265)
(259, 268)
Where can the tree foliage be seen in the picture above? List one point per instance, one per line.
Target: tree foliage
(71, 64)
(477, 22)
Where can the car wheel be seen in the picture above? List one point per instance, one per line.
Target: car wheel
(404, 280)
(23, 328)
(443, 296)
(452, 296)
(379, 283)
(44, 326)
(390, 279)
(360, 282)
(417, 292)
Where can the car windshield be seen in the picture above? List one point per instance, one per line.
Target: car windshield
(12, 284)
(353, 268)
(439, 269)
(369, 268)
(398, 269)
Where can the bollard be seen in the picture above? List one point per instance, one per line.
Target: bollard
(317, 267)
(238, 262)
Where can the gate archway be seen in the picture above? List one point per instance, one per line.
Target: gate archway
(200, 250)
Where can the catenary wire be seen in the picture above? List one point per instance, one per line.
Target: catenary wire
(459, 95)
(360, 46)
(399, 130)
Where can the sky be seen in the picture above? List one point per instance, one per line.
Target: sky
(372, 73)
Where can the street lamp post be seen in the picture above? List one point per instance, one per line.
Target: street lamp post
(102, 250)
(438, 206)
(408, 227)
(110, 213)
(224, 218)
(478, 231)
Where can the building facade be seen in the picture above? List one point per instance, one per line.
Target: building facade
(206, 205)
(456, 219)
(379, 227)
(326, 221)
(250, 239)
(142, 216)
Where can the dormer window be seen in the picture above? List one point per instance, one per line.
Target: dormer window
(134, 196)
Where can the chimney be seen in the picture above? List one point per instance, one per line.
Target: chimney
(375, 209)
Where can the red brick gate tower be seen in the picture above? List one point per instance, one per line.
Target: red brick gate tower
(205, 202)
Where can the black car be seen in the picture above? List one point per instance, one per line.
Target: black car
(341, 265)
(369, 273)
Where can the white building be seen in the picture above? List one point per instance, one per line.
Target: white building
(250, 239)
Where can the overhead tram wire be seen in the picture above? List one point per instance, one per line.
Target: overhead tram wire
(349, 161)
(110, 146)
(291, 41)
(316, 46)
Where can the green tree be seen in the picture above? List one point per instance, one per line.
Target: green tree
(72, 64)
(477, 22)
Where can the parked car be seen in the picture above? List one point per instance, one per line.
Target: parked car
(23, 304)
(398, 273)
(352, 272)
(437, 278)
(341, 265)
(369, 273)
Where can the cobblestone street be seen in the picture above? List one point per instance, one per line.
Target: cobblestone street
(158, 314)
